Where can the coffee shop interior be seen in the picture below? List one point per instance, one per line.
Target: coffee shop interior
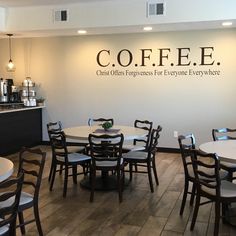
(160, 74)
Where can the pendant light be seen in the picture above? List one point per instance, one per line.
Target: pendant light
(10, 65)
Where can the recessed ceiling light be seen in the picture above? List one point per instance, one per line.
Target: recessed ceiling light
(227, 23)
(147, 28)
(82, 32)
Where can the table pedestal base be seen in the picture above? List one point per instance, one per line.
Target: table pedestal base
(101, 184)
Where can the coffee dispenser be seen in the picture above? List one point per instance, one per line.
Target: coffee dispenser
(3, 90)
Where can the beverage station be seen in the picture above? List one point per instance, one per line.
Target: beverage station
(12, 96)
(20, 116)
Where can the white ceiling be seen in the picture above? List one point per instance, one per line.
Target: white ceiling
(23, 3)
(172, 25)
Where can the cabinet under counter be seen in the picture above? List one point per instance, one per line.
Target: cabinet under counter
(20, 127)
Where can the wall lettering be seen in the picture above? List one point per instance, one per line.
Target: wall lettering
(157, 62)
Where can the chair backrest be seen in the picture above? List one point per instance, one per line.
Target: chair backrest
(154, 138)
(10, 189)
(32, 164)
(58, 144)
(145, 125)
(223, 134)
(53, 127)
(102, 120)
(186, 143)
(206, 170)
(106, 147)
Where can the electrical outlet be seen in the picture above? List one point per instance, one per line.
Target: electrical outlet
(175, 134)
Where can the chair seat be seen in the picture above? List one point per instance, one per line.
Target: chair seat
(227, 165)
(4, 228)
(108, 163)
(25, 198)
(133, 147)
(228, 190)
(135, 155)
(75, 157)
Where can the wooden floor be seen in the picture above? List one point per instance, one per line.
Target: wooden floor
(141, 213)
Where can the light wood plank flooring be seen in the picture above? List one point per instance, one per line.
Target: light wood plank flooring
(141, 213)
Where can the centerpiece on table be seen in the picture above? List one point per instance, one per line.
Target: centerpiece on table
(106, 125)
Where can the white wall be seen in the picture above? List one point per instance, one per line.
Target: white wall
(65, 70)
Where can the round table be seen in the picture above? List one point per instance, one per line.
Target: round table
(82, 132)
(105, 182)
(6, 168)
(226, 149)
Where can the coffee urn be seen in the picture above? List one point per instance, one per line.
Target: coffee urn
(3, 90)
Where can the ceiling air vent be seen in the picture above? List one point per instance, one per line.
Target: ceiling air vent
(155, 8)
(60, 15)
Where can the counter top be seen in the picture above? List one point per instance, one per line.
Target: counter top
(7, 110)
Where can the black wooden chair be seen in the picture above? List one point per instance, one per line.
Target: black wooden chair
(209, 185)
(10, 190)
(32, 163)
(72, 147)
(225, 134)
(140, 144)
(106, 154)
(61, 157)
(186, 144)
(145, 158)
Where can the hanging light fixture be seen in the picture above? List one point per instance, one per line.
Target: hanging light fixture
(10, 65)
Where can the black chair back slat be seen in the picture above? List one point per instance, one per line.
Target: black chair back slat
(223, 134)
(145, 125)
(106, 147)
(102, 120)
(11, 190)
(154, 138)
(203, 164)
(32, 162)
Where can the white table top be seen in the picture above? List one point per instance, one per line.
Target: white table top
(226, 150)
(82, 132)
(6, 168)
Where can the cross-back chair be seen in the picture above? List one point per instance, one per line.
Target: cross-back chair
(209, 185)
(61, 157)
(145, 158)
(106, 154)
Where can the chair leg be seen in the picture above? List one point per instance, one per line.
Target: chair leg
(93, 176)
(217, 218)
(37, 219)
(224, 209)
(61, 168)
(155, 171)
(53, 177)
(184, 197)
(230, 176)
(192, 194)
(119, 184)
(130, 171)
(21, 221)
(65, 181)
(195, 212)
(74, 170)
(50, 173)
(149, 170)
